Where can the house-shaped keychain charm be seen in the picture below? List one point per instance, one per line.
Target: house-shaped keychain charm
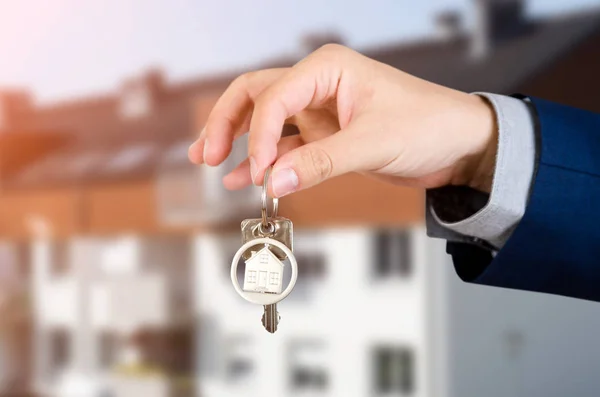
(264, 272)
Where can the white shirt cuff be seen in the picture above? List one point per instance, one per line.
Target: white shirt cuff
(514, 171)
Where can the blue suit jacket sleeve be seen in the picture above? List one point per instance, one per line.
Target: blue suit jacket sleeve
(556, 246)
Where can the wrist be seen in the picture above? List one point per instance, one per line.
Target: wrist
(478, 168)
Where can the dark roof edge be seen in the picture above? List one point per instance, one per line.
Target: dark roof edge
(593, 29)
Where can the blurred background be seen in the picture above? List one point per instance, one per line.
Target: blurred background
(115, 251)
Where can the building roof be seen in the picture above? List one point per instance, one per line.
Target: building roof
(508, 64)
(101, 143)
(98, 143)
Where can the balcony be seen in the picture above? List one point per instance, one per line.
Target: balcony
(144, 283)
(147, 386)
(127, 303)
(189, 195)
(57, 302)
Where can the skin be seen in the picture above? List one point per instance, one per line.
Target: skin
(354, 115)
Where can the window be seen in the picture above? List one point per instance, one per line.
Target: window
(264, 259)
(60, 350)
(251, 276)
(274, 278)
(393, 253)
(312, 265)
(393, 371)
(109, 348)
(239, 364)
(308, 370)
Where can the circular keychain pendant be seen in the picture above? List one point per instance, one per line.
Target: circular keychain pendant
(264, 272)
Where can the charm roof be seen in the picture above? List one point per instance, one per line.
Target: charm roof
(265, 248)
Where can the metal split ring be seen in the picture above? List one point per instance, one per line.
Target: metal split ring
(270, 228)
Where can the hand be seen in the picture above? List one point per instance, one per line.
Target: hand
(354, 115)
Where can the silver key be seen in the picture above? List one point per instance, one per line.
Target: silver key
(270, 318)
(280, 229)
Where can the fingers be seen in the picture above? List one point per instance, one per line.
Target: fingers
(196, 149)
(301, 165)
(230, 117)
(263, 101)
(315, 162)
(311, 82)
(239, 178)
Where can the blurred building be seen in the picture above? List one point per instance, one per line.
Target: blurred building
(15, 318)
(109, 309)
(128, 247)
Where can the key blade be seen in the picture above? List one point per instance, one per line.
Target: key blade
(270, 318)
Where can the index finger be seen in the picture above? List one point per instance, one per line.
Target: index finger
(312, 82)
(230, 115)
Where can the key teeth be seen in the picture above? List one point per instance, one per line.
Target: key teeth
(276, 325)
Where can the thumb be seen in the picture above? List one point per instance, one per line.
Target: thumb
(315, 162)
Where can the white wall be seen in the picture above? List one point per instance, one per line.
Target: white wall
(557, 351)
(348, 311)
(130, 302)
(118, 284)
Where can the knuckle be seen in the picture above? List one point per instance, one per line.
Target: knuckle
(325, 53)
(240, 82)
(318, 162)
(253, 82)
(331, 48)
(244, 83)
(329, 54)
(270, 104)
(248, 82)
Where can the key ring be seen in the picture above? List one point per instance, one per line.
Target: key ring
(270, 228)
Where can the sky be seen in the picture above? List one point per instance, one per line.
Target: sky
(60, 49)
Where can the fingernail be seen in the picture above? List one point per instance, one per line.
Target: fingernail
(253, 169)
(197, 141)
(284, 182)
(205, 150)
(192, 152)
